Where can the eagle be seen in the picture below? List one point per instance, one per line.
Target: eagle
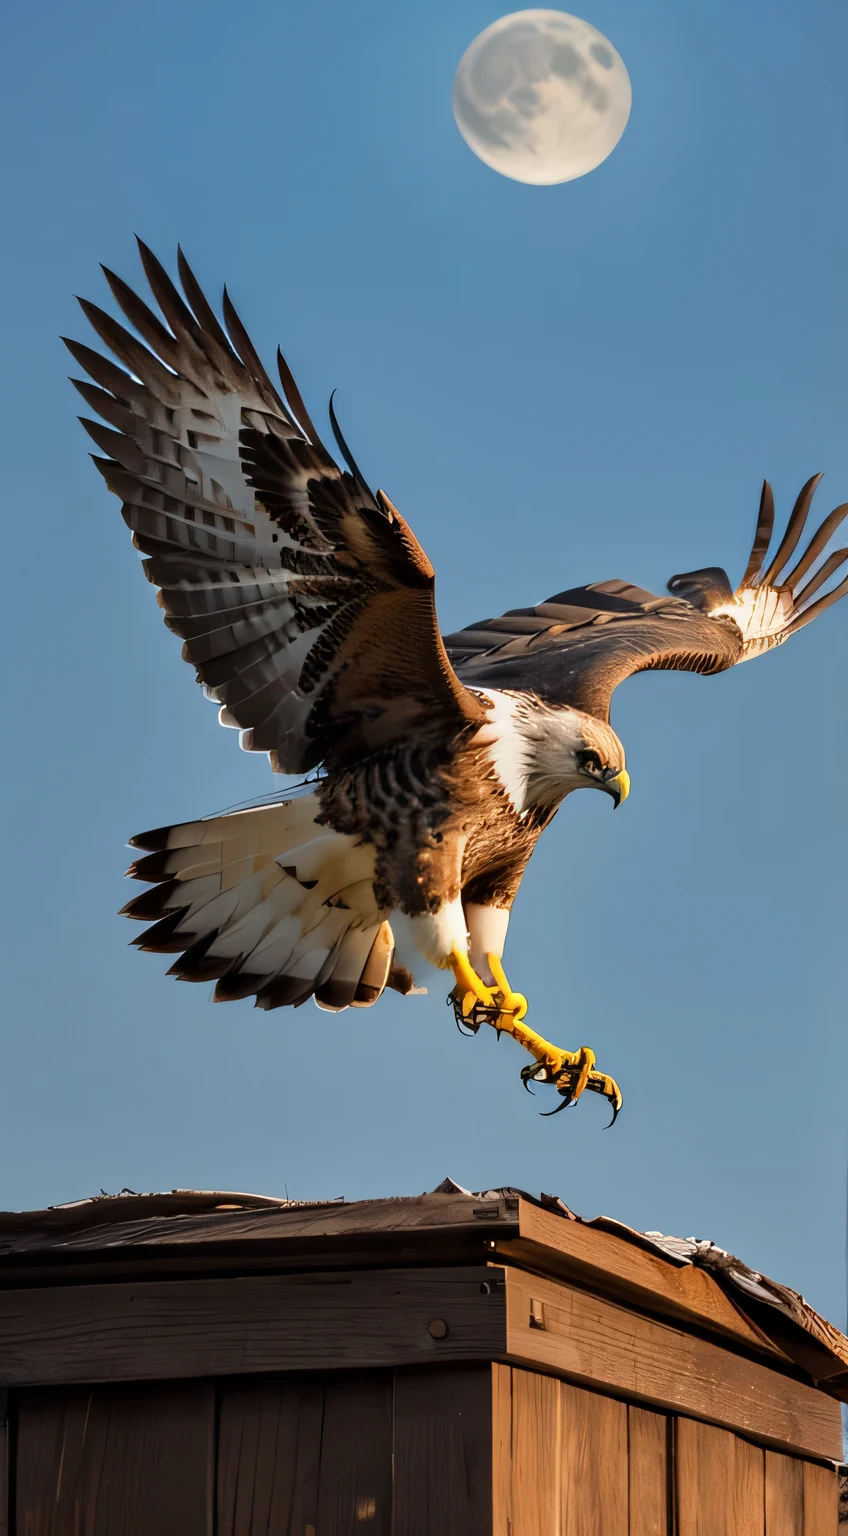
(433, 763)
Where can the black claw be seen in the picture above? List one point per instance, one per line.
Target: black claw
(545, 1114)
(615, 1115)
(528, 1076)
(467, 1027)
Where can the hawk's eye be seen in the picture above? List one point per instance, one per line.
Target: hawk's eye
(590, 762)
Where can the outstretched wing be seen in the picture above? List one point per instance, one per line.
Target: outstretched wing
(579, 645)
(305, 603)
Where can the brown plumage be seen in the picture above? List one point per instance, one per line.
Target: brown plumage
(306, 606)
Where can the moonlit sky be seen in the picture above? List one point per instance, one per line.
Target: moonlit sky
(555, 385)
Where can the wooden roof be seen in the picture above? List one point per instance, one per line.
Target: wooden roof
(194, 1232)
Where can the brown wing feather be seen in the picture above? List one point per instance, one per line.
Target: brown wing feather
(579, 645)
(305, 604)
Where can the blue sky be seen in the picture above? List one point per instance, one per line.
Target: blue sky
(555, 385)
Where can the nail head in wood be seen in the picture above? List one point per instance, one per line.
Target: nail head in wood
(438, 1329)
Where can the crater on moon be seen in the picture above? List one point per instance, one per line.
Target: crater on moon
(541, 96)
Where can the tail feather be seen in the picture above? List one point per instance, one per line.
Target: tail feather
(338, 990)
(267, 903)
(377, 969)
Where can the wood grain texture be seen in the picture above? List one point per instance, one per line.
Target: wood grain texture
(115, 1462)
(648, 1469)
(4, 1464)
(720, 1482)
(269, 1451)
(443, 1452)
(561, 1461)
(502, 1521)
(536, 1467)
(73, 1231)
(372, 1454)
(576, 1251)
(355, 1474)
(590, 1340)
(784, 1495)
(821, 1500)
(594, 1491)
(261, 1323)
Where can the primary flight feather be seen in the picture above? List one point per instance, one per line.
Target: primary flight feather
(306, 606)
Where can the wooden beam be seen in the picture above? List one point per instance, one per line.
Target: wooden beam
(595, 1342)
(66, 1232)
(170, 1330)
(385, 1318)
(570, 1249)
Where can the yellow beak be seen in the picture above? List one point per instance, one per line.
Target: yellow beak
(619, 787)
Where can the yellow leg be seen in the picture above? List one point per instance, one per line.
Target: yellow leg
(514, 1003)
(468, 983)
(571, 1072)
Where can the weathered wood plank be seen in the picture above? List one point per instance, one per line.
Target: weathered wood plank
(503, 1523)
(355, 1475)
(784, 1495)
(578, 1252)
(593, 1464)
(128, 1460)
(4, 1464)
(443, 1452)
(67, 1231)
(593, 1341)
(648, 1470)
(560, 1459)
(165, 1329)
(720, 1482)
(269, 1451)
(536, 1466)
(821, 1500)
(749, 1488)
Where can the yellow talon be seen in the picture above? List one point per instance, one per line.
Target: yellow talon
(570, 1072)
(585, 1062)
(469, 982)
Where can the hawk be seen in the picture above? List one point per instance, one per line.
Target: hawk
(306, 606)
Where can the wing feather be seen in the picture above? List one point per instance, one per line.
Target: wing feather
(579, 645)
(762, 536)
(303, 602)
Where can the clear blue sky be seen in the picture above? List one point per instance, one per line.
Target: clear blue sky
(556, 385)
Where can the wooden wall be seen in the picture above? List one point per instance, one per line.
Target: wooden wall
(448, 1451)
(403, 1453)
(570, 1462)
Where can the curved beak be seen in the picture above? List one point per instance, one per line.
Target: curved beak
(618, 787)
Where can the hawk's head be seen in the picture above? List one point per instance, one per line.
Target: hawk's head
(600, 760)
(567, 749)
(541, 752)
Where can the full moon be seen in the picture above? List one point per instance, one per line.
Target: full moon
(541, 97)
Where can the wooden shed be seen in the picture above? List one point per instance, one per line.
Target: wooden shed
(448, 1365)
